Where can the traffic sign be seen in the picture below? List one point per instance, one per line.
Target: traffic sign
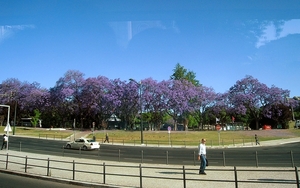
(9, 128)
(169, 129)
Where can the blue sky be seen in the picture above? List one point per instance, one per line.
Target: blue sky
(221, 41)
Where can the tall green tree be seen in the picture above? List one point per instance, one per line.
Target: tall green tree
(35, 119)
(182, 73)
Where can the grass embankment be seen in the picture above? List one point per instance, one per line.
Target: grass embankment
(194, 137)
(40, 132)
(162, 137)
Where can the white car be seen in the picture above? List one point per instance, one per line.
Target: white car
(83, 143)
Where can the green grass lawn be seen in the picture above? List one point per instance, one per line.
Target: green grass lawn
(163, 137)
(194, 137)
(39, 132)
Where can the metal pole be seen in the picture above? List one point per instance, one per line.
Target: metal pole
(74, 125)
(293, 113)
(26, 164)
(167, 157)
(48, 166)
(292, 158)
(6, 161)
(224, 164)
(141, 176)
(235, 177)
(142, 156)
(219, 136)
(184, 180)
(293, 116)
(14, 129)
(256, 157)
(7, 128)
(73, 170)
(141, 106)
(297, 176)
(104, 173)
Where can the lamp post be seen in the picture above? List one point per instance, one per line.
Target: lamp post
(7, 124)
(15, 115)
(293, 116)
(141, 107)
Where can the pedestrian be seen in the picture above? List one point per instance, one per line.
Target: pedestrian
(106, 138)
(202, 156)
(256, 140)
(5, 139)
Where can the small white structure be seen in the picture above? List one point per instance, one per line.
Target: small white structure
(113, 117)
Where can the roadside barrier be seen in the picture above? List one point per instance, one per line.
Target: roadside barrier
(184, 143)
(147, 175)
(51, 136)
(167, 156)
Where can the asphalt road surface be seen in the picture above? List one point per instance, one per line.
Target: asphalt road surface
(274, 156)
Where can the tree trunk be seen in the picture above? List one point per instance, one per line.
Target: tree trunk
(257, 124)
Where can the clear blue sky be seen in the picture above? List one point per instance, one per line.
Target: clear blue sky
(221, 41)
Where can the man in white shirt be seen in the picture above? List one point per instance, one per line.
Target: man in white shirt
(202, 156)
(5, 139)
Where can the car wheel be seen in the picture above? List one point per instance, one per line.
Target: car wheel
(68, 146)
(84, 148)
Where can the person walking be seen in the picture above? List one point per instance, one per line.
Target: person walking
(106, 138)
(256, 139)
(5, 139)
(202, 156)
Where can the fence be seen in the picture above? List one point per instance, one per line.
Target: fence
(153, 176)
(51, 136)
(210, 143)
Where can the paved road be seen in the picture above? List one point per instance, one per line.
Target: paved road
(278, 155)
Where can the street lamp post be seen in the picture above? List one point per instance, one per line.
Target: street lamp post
(7, 124)
(293, 116)
(141, 107)
(14, 128)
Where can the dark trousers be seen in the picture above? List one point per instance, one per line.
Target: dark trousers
(257, 142)
(4, 145)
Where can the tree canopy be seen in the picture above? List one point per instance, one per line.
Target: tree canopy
(95, 99)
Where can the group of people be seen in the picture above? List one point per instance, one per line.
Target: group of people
(202, 154)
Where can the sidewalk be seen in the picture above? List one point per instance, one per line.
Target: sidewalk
(267, 143)
(154, 176)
